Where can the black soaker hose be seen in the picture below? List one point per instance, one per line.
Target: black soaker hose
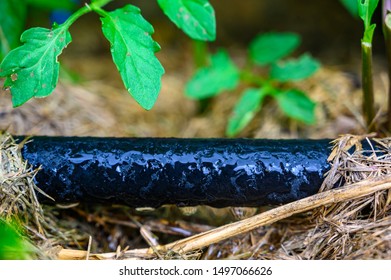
(150, 172)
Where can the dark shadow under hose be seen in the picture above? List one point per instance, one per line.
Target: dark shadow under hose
(150, 172)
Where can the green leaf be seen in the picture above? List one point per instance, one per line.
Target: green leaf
(245, 110)
(12, 245)
(296, 105)
(12, 24)
(366, 8)
(133, 51)
(294, 69)
(52, 5)
(368, 34)
(351, 6)
(195, 17)
(32, 69)
(209, 81)
(270, 47)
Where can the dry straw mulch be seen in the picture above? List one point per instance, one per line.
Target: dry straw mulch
(348, 219)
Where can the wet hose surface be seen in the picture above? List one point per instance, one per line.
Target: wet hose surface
(150, 172)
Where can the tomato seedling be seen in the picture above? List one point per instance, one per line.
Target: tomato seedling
(266, 50)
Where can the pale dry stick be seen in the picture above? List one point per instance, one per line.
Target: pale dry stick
(89, 248)
(356, 190)
(196, 242)
(71, 254)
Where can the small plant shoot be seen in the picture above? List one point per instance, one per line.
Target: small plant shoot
(366, 8)
(32, 69)
(386, 13)
(266, 50)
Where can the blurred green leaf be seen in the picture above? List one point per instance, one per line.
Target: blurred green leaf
(12, 23)
(245, 110)
(52, 5)
(296, 105)
(195, 17)
(12, 245)
(351, 6)
(133, 51)
(294, 69)
(32, 69)
(270, 47)
(209, 81)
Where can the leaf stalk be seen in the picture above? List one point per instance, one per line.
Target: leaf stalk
(93, 6)
(250, 77)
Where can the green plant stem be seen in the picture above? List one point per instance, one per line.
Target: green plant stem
(200, 53)
(200, 58)
(266, 84)
(249, 77)
(94, 6)
(367, 81)
(388, 47)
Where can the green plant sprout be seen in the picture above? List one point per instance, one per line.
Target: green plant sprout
(32, 69)
(266, 50)
(366, 8)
